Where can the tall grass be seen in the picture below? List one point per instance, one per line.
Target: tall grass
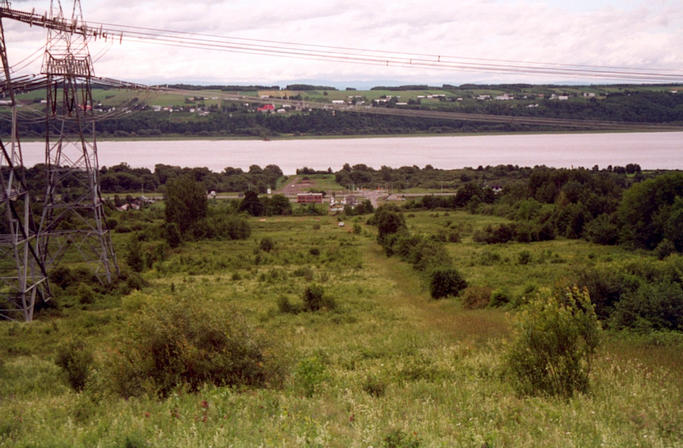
(388, 365)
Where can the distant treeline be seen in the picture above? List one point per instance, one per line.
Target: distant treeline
(238, 120)
(235, 121)
(226, 88)
(308, 87)
(619, 204)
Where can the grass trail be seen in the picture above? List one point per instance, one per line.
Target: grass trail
(445, 316)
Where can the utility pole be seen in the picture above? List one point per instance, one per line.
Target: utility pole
(73, 213)
(23, 278)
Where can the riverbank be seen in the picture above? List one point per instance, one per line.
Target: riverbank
(183, 137)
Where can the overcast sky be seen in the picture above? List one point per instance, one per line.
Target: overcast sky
(632, 33)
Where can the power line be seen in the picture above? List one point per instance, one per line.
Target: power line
(181, 39)
(351, 55)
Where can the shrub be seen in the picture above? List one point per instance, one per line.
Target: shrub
(374, 386)
(499, 298)
(651, 307)
(76, 361)
(446, 282)
(266, 244)
(112, 223)
(135, 281)
(305, 272)
(309, 374)
(427, 254)
(665, 248)
(602, 230)
(315, 299)
(557, 337)
(172, 234)
(357, 229)
(524, 257)
(186, 342)
(389, 220)
(399, 439)
(487, 258)
(495, 234)
(476, 297)
(314, 251)
(227, 226)
(134, 255)
(605, 286)
(286, 307)
(454, 236)
(85, 293)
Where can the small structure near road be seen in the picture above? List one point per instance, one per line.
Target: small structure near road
(309, 198)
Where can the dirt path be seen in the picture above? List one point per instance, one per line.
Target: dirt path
(445, 315)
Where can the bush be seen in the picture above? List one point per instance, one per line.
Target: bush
(664, 249)
(446, 282)
(227, 226)
(602, 230)
(454, 236)
(605, 286)
(134, 255)
(182, 342)
(399, 439)
(476, 297)
(305, 272)
(315, 299)
(651, 307)
(389, 220)
(557, 337)
(76, 361)
(286, 307)
(495, 234)
(499, 298)
(172, 234)
(524, 257)
(374, 386)
(112, 223)
(86, 295)
(309, 374)
(266, 244)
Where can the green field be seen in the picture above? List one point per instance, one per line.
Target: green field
(388, 367)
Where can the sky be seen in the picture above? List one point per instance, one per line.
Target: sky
(624, 33)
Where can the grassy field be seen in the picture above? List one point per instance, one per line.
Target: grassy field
(388, 367)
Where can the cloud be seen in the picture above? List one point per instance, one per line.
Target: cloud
(628, 33)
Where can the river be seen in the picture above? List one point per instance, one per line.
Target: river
(649, 150)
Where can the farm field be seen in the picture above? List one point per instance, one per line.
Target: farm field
(387, 366)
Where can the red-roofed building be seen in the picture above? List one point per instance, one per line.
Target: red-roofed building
(266, 108)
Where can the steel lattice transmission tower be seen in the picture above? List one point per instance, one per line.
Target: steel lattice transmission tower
(73, 214)
(23, 278)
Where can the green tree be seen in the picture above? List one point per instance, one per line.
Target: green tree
(389, 220)
(252, 204)
(278, 205)
(446, 282)
(134, 255)
(653, 210)
(186, 202)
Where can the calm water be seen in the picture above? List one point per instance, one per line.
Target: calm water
(650, 150)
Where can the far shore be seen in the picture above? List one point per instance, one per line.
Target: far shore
(177, 137)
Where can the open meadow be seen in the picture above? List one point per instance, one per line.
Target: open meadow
(379, 364)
